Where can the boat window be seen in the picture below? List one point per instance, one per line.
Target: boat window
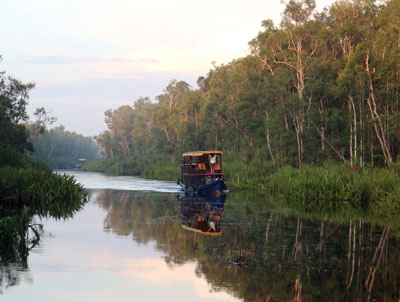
(193, 161)
(206, 160)
(189, 161)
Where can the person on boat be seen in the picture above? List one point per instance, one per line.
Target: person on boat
(212, 226)
(223, 184)
(212, 159)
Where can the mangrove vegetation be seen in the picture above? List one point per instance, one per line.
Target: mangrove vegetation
(321, 89)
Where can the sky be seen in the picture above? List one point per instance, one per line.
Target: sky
(88, 56)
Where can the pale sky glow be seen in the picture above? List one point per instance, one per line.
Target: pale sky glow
(157, 272)
(102, 54)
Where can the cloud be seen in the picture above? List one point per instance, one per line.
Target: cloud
(62, 60)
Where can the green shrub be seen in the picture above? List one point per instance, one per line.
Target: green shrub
(25, 192)
(161, 172)
(50, 194)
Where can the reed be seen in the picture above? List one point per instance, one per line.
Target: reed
(337, 187)
(243, 171)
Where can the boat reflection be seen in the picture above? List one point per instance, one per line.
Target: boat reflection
(202, 213)
(264, 252)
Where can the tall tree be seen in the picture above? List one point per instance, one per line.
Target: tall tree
(14, 97)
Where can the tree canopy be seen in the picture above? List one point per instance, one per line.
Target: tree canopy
(14, 97)
(320, 86)
(62, 149)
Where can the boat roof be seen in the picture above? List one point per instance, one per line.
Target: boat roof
(201, 153)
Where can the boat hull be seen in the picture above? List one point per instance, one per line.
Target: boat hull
(215, 186)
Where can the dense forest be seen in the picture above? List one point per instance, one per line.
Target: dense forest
(320, 87)
(62, 149)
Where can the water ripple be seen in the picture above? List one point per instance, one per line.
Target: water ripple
(93, 180)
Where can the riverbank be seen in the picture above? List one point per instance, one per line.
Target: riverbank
(331, 187)
(236, 170)
(334, 189)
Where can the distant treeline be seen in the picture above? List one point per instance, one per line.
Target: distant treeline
(62, 149)
(319, 87)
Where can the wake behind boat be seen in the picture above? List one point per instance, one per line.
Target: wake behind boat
(201, 171)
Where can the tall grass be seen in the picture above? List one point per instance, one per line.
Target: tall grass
(337, 187)
(334, 193)
(243, 171)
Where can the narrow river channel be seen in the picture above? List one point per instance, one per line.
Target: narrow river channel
(142, 240)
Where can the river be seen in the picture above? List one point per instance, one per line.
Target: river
(143, 240)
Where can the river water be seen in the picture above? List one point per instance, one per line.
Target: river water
(143, 240)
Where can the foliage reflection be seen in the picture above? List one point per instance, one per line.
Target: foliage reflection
(19, 233)
(264, 253)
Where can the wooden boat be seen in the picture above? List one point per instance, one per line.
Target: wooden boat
(201, 171)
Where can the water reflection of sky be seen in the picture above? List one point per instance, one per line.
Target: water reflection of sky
(132, 245)
(102, 181)
(78, 261)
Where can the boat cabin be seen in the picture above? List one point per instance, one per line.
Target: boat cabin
(201, 168)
